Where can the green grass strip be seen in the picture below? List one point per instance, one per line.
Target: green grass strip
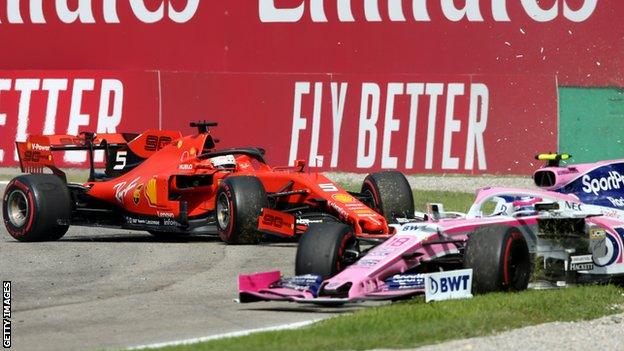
(415, 323)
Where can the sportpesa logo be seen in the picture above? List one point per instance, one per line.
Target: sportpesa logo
(614, 180)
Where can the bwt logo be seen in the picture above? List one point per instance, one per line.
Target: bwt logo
(83, 11)
(449, 284)
(471, 10)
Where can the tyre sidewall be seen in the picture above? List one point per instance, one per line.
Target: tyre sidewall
(487, 253)
(321, 248)
(392, 194)
(246, 197)
(226, 233)
(20, 233)
(49, 206)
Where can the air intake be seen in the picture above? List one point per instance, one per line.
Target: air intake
(545, 179)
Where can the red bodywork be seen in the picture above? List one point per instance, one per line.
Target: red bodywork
(160, 175)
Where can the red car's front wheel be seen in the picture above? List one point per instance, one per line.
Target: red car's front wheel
(239, 203)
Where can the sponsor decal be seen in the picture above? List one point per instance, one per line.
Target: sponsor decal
(136, 197)
(170, 222)
(165, 214)
(597, 234)
(471, 11)
(613, 180)
(405, 281)
(156, 142)
(574, 206)
(341, 212)
(38, 147)
(306, 282)
(83, 12)
(581, 263)
(185, 167)
(306, 221)
(367, 262)
(150, 192)
(617, 202)
(142, 221)
(448, 285)
(439, 96)
(344, 198)
(121, 189)
(608, 253)
(567, 171)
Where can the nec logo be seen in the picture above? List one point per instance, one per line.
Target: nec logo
(448, 285)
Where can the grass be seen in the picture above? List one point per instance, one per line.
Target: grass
(415, 323)
(453, 201)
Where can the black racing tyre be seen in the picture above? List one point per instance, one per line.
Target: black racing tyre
(499, 258)
(36, 207)
(239, 203)
(322, 249)
(390, 195)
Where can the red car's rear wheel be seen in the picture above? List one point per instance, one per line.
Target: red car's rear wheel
(36, 207)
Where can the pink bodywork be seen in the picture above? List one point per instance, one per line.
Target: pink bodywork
(408, 248)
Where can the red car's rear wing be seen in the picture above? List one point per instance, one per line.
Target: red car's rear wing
(35, 153)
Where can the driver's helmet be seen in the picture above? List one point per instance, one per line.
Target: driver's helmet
(223, 162)
(526, 206)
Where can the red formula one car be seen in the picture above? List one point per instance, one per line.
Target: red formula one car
(170, 185)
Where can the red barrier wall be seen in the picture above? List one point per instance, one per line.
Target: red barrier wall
(575, 39)
(266, 69)
(67, 102)
(350, 122)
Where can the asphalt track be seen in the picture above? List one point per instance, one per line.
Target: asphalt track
(102, 288)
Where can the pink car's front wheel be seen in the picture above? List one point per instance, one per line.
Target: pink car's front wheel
(500, 259)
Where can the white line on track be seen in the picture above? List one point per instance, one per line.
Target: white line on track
(225, 335)
(4, 182)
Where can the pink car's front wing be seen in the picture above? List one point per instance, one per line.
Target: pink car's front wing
(261, 287)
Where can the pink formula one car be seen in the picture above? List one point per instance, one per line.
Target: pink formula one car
(570, 231)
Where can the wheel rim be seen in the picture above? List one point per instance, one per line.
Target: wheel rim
(514, 273)
(17, 208)
(224, 211)
(348, 252)
(371, 203)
